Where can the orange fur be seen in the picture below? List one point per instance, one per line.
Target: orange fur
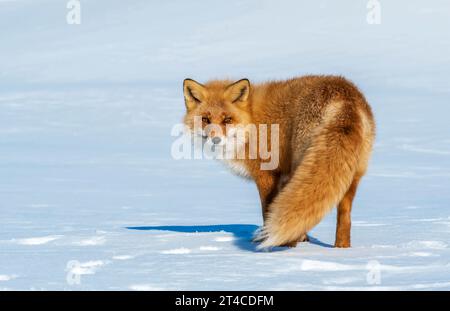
(326, 136)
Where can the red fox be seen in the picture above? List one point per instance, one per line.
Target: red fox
(326, 133)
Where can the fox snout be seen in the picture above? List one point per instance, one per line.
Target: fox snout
(216, 140)
(215, 133)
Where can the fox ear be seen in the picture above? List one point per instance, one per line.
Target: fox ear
(194, 93)
(238, 91)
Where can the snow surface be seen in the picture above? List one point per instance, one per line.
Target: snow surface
(91, 198)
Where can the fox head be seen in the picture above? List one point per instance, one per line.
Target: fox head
(216, 110)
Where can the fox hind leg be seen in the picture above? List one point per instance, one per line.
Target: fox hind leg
(344, 210)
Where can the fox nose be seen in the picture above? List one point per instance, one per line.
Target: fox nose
(216, 140)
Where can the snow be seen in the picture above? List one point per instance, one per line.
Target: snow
(4, 277)
(36, 240)
(92, 199)
(177, 251)
(83, 268)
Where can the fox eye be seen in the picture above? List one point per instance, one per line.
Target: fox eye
(227, 120)
(206, 120)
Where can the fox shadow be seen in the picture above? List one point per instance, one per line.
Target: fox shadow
(242, 234)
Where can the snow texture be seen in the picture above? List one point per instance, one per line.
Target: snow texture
(91, 198)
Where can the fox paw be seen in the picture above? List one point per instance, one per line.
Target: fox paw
(303, 238)
(290, 244)
(342, 244)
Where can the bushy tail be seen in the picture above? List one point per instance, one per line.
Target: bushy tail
(319, 182)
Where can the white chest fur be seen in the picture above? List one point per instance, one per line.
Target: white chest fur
(237, 167)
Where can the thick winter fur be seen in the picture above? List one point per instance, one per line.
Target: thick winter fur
(326, 135)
